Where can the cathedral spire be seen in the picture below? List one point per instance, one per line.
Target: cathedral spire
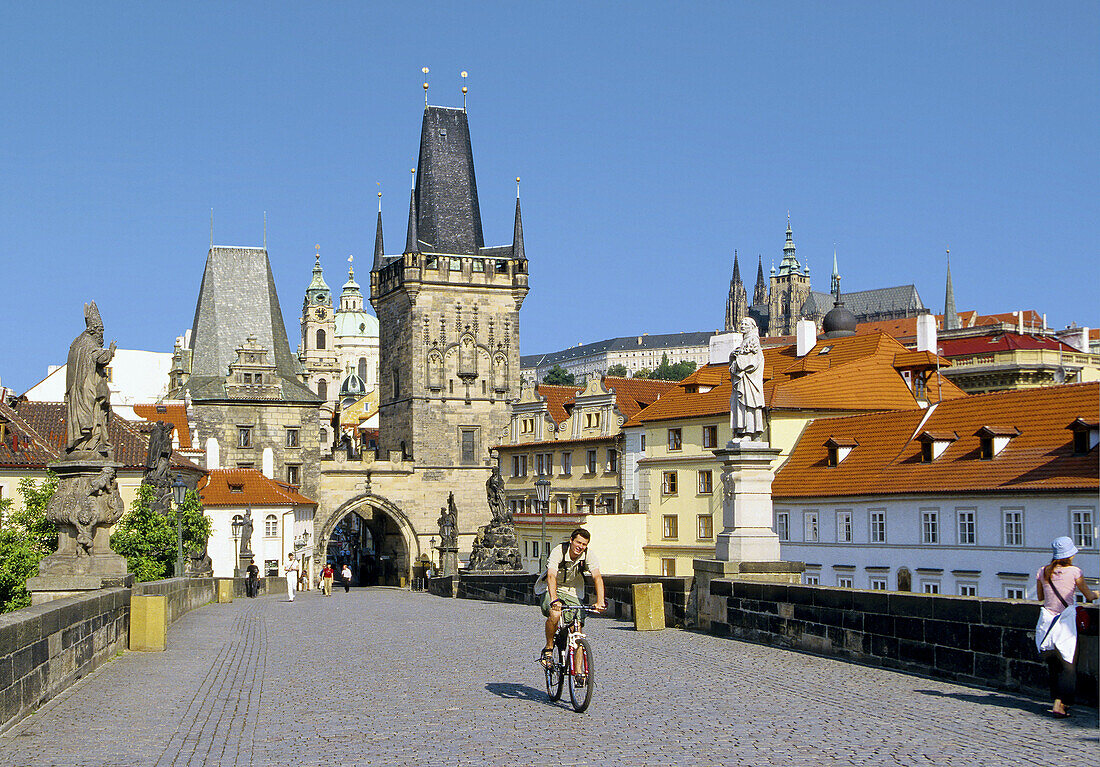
(834, 282)
(760, 291)
(950, 316)
(789, 264)
(378, 249)
(410, 237)
(737, 305)
(517, 233)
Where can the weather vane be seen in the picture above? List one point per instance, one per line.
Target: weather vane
(464, 75)
(425, 71)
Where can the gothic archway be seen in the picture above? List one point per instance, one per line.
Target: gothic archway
(373, 536)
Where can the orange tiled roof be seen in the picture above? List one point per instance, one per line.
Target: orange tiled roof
(129, 439)
(904, 327)
(215, 489)
(174, 413)
(556, 398)
(632, 395)
(887, 459)
(851, 373)
(22, 446)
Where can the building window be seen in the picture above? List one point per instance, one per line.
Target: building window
(612, 460)
(844, 527)
(930, 587)
(706, 482)
(322, 389)
(271, 526)
(844, 581)
(566, 464)
(1015, 592)
(563, 504)
(1014, 527)
(668, 483)
(363, 369)
(516, 506)
(292, 438)
(456, 264)
(670, 526)
(543, 464)
(783, 525)
(591, 420)
(293, 474)
(705, 524)
(244, 437)
(668, 568)
(468, 439)
(968, 529)
(929, 527)
(271, 568)
(810, 579)
(642, 444)
(324, 437)
(985, 450)
(590, 461)
(968, 589)
(675, 441)
(609, 504)
(519, 466)
(878, 527)
(710, 436)
(878, 584)
(320, 339)
(810, 527)
(1081, 525)
(527, 426)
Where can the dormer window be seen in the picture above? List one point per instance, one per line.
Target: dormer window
(838, 449)
(932, 444)
(825, 350)
(236, 488)
(1085, 435)
(993, 440)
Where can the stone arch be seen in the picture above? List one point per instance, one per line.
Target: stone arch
(368, 505)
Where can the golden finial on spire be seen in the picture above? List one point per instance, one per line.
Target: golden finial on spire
(317, 248)
(413, 172)
(464, 75)
(425, 71)
(379, 195)
(517, 187)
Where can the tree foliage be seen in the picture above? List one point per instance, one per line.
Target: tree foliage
(559, 376)
(617, 371)
(25, 538)
(147, 539)
(642, 373)
(672, 372)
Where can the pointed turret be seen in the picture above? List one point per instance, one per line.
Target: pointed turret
(378, 248)
(789, 264)
(950, 316)
(448, 218)
(834, 281)
(760, 292)
(410, 236)
(517, 234)
(737, 305)
(318, 293)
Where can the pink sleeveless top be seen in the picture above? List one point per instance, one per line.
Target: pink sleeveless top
(1065, 581)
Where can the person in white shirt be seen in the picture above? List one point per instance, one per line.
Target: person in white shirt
(291, 571)
(564, 586)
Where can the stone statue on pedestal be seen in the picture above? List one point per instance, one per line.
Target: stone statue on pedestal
(496, 546)
(448, 524)
(747, 376)
(494, 492)
(246, 535)
(157, 461)
(87, 395)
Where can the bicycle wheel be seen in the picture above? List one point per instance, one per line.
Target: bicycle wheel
(554, 678)
(583, 683)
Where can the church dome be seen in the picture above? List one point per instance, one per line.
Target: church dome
(839, 322)
(356, 324)
(352, 386)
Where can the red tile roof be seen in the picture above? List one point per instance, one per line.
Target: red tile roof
(174, 413)
(632, 395)
(22, 446)
(999, 342)
(851, 373)
(887, 459)
(220, 488)
(556, 398)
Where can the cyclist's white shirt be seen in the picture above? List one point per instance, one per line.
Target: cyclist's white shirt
(573, 582)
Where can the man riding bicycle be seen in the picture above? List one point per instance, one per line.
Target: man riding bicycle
(564, 584)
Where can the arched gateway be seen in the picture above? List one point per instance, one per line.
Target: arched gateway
(373, 536)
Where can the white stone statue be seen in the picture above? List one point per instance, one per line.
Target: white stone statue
(747, 376)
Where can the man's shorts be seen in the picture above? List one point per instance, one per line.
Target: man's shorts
(567, 599)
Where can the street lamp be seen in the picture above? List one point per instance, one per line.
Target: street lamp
(179, 491)
(431, 545)
(236, 524)
(542, 489)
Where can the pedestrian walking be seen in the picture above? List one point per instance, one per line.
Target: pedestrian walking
(345, 576)
(326, 580)
(1056, 632)
(291, 570)
(252, 582)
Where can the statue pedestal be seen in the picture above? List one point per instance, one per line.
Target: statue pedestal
(449, 557)
(84, 508)
(748, 547)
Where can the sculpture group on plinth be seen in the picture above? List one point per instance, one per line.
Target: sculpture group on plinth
(496, 546)
(448, 536)
(157, 462)
(87, 502)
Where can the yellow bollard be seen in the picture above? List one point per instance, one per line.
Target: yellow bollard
(225, 590)
(649, 606)
(148, 622)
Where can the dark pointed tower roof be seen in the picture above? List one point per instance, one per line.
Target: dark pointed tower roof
(379, 252)
(448, 218)
(517, 235)
(737, 302)
(237, 300)
(411, 245)
(950, 316)
(760, 292)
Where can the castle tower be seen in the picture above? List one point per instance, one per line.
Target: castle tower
(317, 350)
(448, 312)
(790, 287)
(737, 305)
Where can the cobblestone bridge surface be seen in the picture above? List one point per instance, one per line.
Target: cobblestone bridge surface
(382, 676)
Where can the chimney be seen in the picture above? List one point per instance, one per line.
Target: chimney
(805, 337)
(1020, 322)
(213, 454)
(268, 463)
(926, 333)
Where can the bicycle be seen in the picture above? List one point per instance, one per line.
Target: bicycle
(572, 659)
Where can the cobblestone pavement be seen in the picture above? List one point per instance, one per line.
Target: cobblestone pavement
(382, 676)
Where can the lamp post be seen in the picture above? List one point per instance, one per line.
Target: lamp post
(542, 489)
(431, 545)
(179, 492)
(236, 524)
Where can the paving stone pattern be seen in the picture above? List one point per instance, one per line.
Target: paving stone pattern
(391, 677)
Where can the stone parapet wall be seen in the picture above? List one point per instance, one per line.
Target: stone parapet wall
(46, 648)
(987, 642)
(676, 590)
(497, 587)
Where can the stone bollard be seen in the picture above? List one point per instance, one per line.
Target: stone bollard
(649, 606)
(225, 590)
(148, 622)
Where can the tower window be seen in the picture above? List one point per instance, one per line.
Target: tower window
(322, 389)
(244, 436)
(363, 368)
(320, 339)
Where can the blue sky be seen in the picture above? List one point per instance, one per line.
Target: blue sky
(653, 139)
